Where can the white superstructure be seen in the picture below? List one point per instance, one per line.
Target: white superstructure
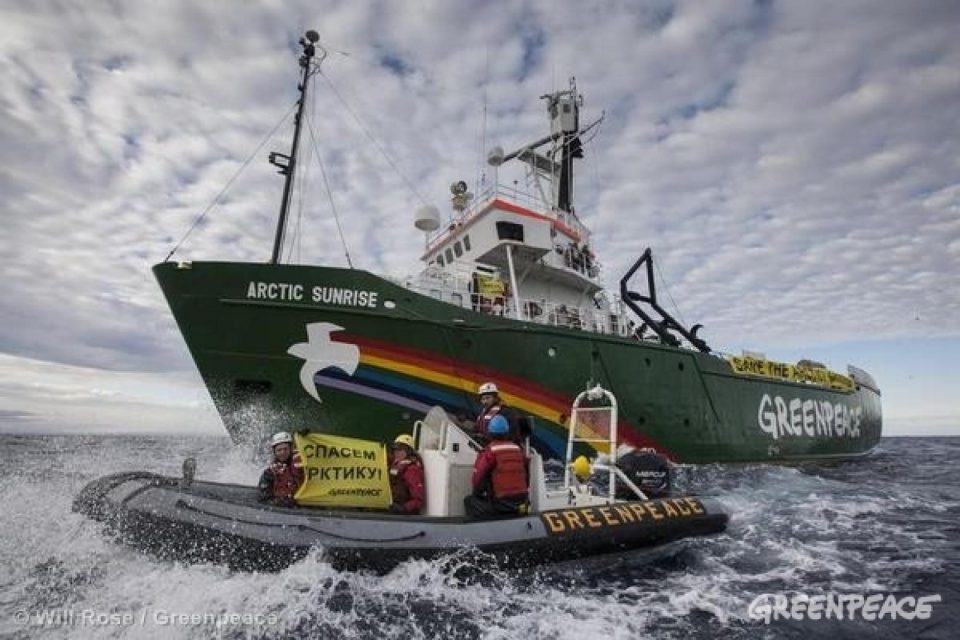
(507, 253)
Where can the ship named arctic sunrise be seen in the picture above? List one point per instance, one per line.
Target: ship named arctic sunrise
(510, 292)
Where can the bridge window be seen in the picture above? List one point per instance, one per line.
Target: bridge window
(457, 248)
(449, 255)
(440, 260)
(466, 242)
(510, 231)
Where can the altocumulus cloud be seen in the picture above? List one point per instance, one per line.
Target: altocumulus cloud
(793, 165)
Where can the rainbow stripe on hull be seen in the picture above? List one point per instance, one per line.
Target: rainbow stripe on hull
(417, 380)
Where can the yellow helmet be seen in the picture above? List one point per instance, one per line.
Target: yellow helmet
(581, 468)
(405, 438)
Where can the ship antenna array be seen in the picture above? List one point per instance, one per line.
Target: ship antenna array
(287, 163)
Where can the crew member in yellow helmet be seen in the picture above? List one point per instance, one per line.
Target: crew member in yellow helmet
(406, 476)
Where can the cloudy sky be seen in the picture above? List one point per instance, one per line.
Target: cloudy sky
(794, 165)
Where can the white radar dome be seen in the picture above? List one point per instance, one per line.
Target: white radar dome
(427, 218)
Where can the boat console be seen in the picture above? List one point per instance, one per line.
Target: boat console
(448, 454)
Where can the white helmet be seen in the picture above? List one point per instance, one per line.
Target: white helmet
(487, 387)
(280, 438)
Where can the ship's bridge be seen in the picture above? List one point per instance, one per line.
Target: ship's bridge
(548, 245)
(521, 255)
(504, 253)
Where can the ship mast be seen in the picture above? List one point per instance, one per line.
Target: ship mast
(557, 164)
(287, 163)
(564, 108)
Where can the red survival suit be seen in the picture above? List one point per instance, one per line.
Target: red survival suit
(482, 425)
(406, 485)
(500, 481)
(280, 482)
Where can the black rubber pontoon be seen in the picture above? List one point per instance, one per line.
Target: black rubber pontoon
(224, 523)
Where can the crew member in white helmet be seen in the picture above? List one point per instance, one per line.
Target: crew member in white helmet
(283, 477)
(492, 405)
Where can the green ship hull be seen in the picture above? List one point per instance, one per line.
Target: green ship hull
(346, 351)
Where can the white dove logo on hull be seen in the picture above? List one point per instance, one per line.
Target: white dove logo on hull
(320, 352)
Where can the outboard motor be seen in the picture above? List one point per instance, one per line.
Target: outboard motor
(647, 469)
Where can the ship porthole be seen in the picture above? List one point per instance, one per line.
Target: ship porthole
(552, 352)
(389, 304)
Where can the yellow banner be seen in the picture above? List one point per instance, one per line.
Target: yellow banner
(784, 371)
(343, 472)
(490, 286)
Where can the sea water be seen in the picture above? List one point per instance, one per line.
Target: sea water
(885, 525)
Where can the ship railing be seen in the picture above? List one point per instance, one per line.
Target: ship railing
(538, 311)
(609, 321)
(578, 260)
(512, 194)
(529, 201)
(456, 276)
(452, 287)
(455, 287)
(534, 203)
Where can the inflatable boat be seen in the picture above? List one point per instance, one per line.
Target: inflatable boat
(198, 521)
